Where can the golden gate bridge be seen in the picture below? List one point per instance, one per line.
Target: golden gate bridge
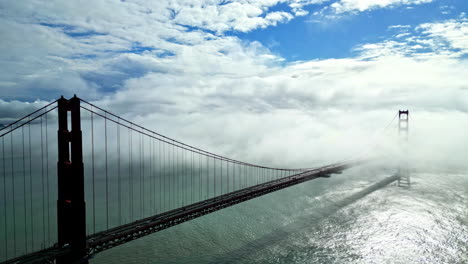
(77, 180)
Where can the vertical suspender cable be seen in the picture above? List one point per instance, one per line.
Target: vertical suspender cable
(191, 179)
(142, 177)
(128, 176)
(258, 175)
(160, 175)
(13, 194)
(221, 169)
(163, 177)
(199, 177)
(234, 165)
(214, 176)
(156, 178)
(180, 178)
(153, 173)
(143, 172)
(177, 186)
(163, 185)
(119, 188)
(30, 185)
(130, 167)
(107, 182)
(249, 178)
(43, 193)
(241, 175)
(168, 164)
(184, 177)
(47, 177)
(4, 198)
(151, 204)
(24, 193)
(139, 173)
(174, 177)
(171, 175)
(207, 177)
(92, 172)
(170, 161)
(188, 170)
(248, 175)
(238, 176)
(255, 175)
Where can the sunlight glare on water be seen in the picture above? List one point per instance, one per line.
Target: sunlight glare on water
(323, 221)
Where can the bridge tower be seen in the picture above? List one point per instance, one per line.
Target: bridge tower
(71, 208)
(403, 166)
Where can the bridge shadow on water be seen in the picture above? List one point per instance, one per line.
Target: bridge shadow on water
(284, 232)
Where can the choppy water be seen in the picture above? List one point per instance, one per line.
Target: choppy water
(343, 219)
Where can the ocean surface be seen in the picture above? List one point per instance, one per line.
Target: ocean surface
(348, 218)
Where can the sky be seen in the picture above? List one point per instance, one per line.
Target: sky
(276, 82)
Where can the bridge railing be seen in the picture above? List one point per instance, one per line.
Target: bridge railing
(28, 183)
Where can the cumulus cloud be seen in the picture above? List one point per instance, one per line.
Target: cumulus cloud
(46, 39)
(237, 16)
(363, 5)
(452, 33)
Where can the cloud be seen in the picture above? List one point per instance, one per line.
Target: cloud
(288, 109)
(445, 38)
(363, 5)
(451, 33)
(399, 27)
(11, 111)
(171, 67)
(336, 10)
(239, 16)
(45, 40)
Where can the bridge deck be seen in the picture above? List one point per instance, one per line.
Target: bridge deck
(125, 233)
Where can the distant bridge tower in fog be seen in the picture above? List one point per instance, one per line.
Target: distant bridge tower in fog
(403, 127)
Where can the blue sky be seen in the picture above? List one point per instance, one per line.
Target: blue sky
(315, 37)
(286, 69)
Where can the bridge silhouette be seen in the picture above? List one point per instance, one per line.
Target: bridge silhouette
(77, 180)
